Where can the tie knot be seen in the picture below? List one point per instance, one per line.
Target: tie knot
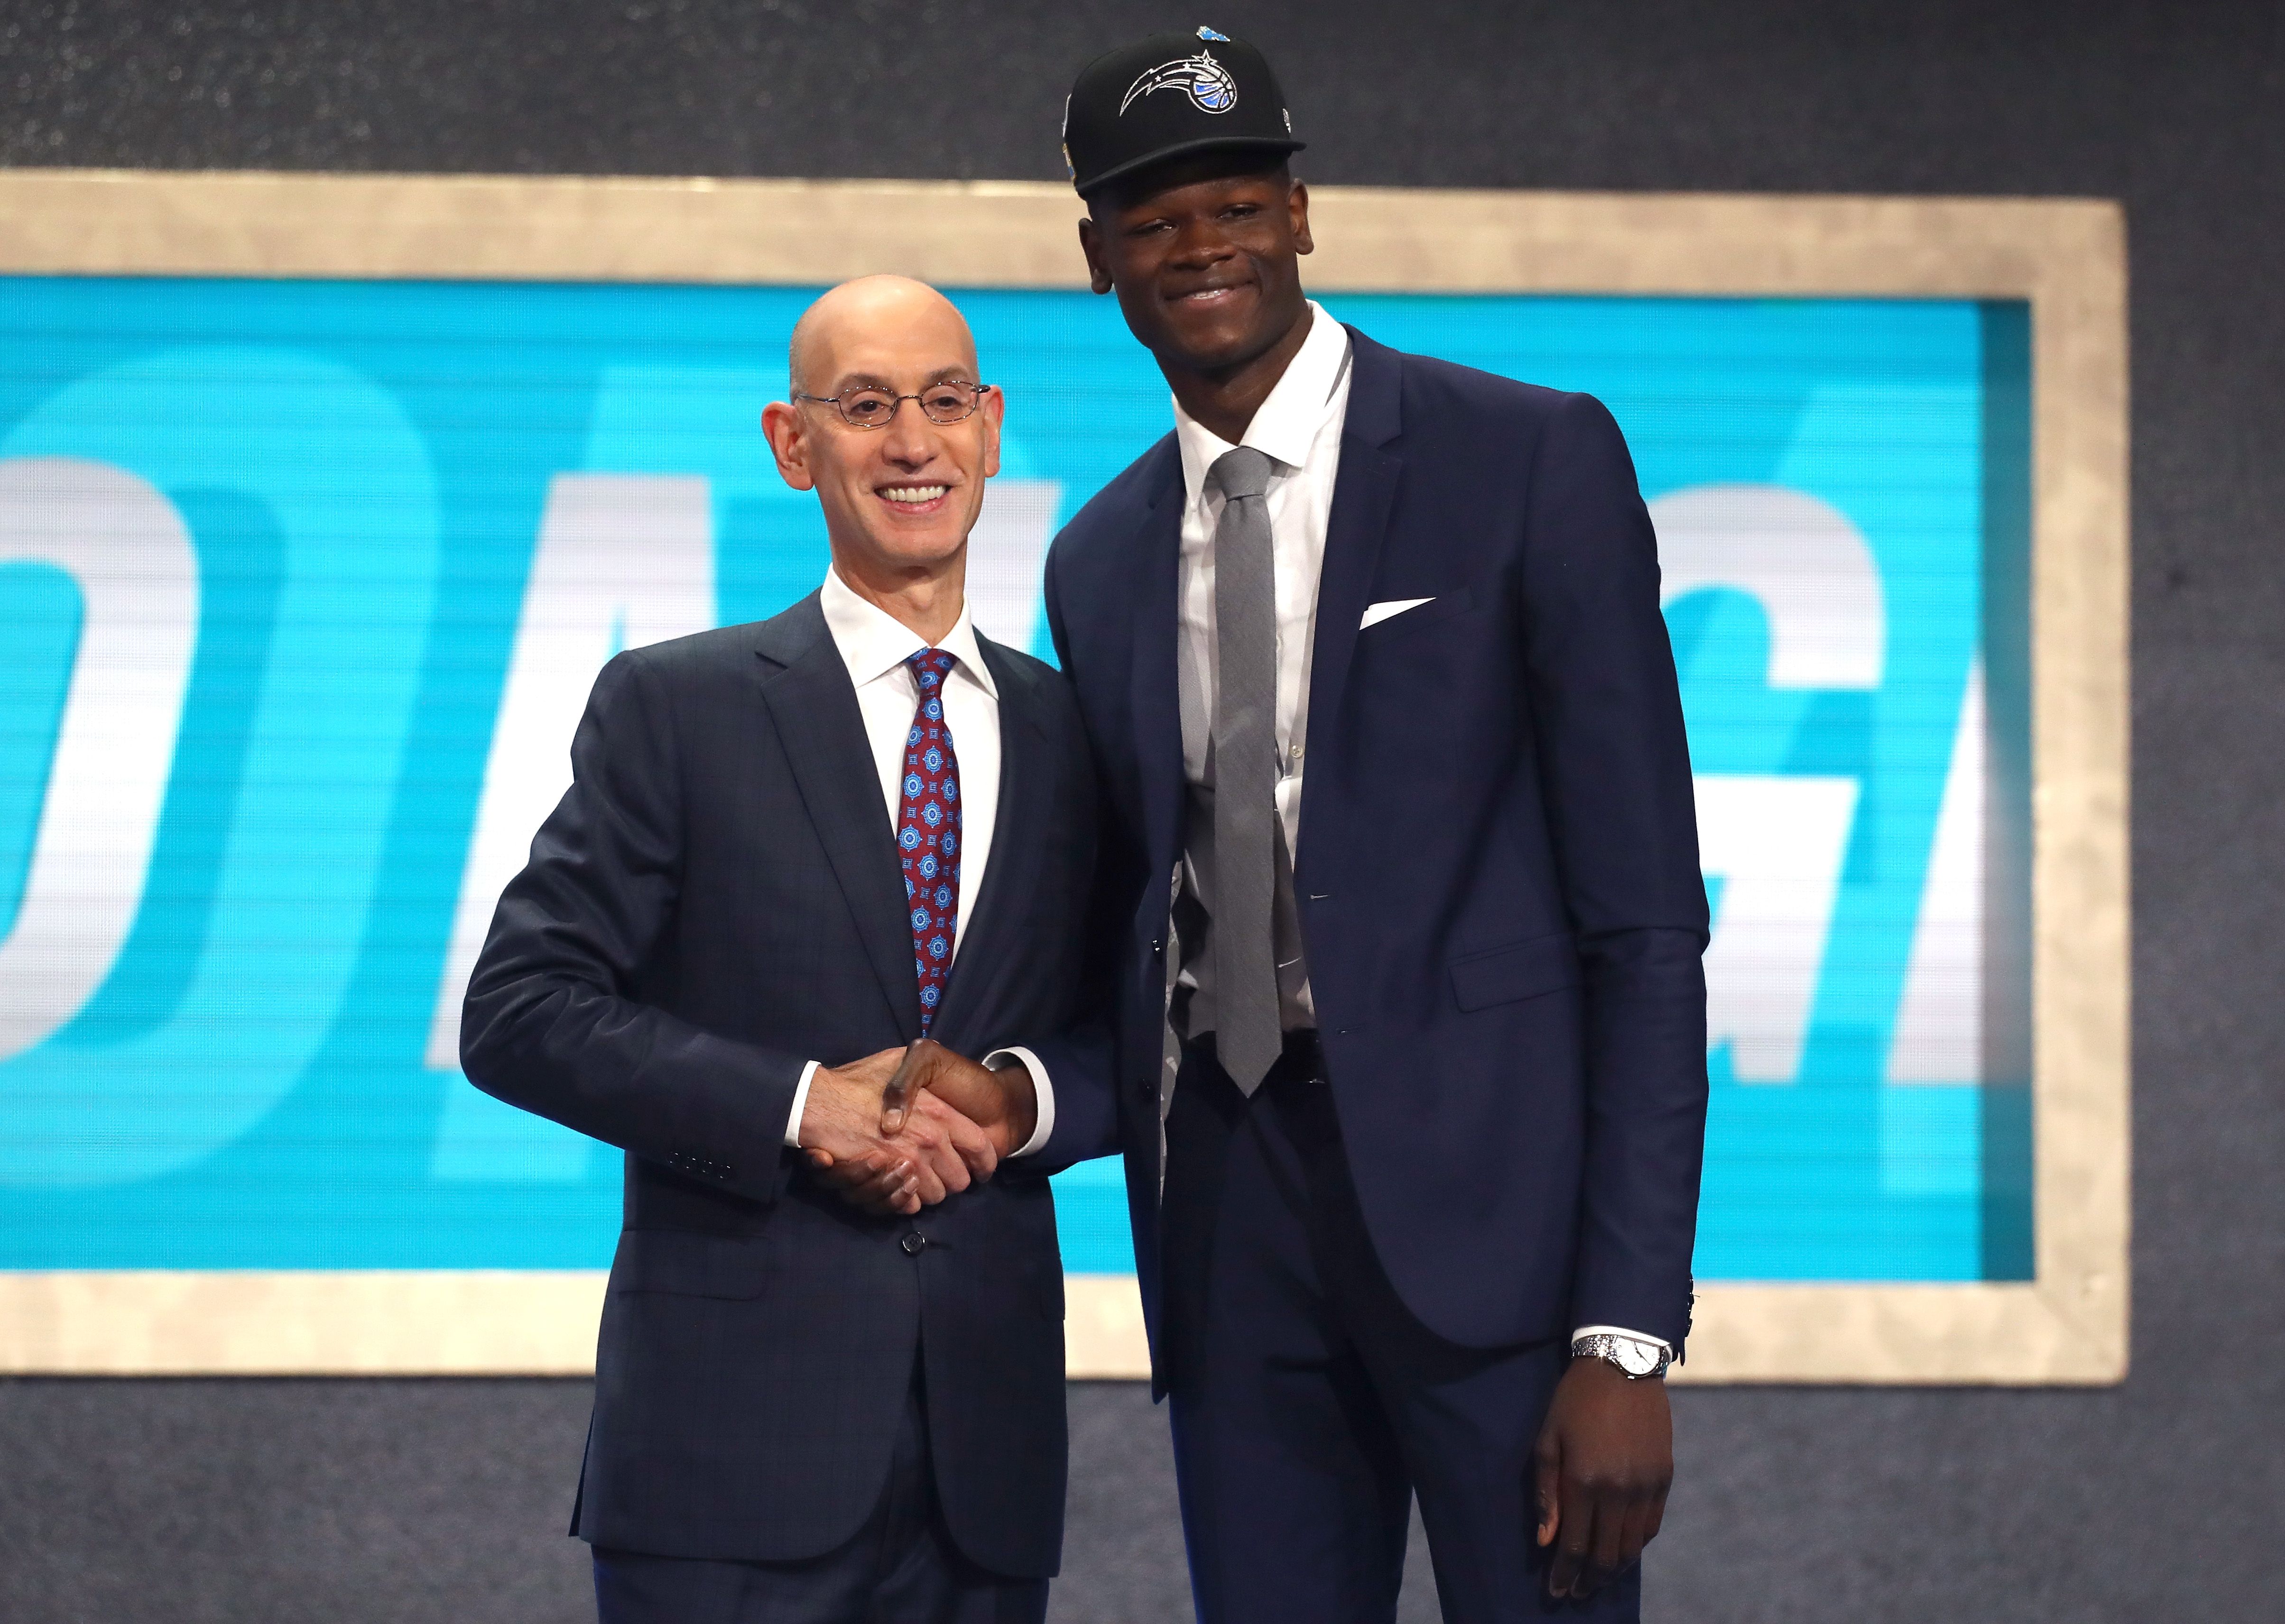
(1243, 472)
(930, 667)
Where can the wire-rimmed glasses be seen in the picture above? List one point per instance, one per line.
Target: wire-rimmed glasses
(866, 405)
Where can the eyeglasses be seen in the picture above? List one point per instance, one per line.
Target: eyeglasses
(866, 406)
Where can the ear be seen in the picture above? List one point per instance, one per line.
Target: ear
(992, 408)
(1090, 243)
(788, 444)
(1297, 211)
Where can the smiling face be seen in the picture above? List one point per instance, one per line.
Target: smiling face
(1203, 254)
(898, 501)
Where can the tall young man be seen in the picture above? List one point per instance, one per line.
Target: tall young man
(1399, 845)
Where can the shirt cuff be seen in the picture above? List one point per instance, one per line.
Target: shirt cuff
(1620, 1330)
(1042, 1091)
(800, 1099)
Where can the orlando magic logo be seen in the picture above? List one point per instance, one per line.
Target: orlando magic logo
(1204, 81)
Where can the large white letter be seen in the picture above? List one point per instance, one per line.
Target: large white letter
(1005, 551)
(129, 551)
(345, 478)
(1810, 568)
(1958, 1020)
(622, 561)
(1777, 845)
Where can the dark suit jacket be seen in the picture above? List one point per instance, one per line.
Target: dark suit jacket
(1497, 872)
(716, 902)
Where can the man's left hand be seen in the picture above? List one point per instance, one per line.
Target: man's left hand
(1604, 1464)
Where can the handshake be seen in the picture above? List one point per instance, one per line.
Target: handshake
(902, 1129)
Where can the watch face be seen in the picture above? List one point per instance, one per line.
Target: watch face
(1634, 1358)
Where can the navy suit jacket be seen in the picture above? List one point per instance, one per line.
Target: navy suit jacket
(1497, 865)
(717, 901)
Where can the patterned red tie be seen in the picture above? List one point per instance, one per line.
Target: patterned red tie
(928, 831)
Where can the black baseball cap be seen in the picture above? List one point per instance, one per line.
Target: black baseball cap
(1168, 96)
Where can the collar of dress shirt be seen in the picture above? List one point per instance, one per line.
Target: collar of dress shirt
(873, 642)
(1287, 421)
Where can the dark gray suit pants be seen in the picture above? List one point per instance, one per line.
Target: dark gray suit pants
(901, 1567)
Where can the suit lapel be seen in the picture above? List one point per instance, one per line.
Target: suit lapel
(823, 734)
(1155, 560)
(1027, 772)
(1364, 492)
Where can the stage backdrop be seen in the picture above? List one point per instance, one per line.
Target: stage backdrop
(303, 581)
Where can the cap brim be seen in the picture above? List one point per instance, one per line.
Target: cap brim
(1183, 149)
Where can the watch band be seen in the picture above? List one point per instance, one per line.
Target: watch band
(1635, 1359)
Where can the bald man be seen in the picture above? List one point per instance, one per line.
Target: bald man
(829, 1381)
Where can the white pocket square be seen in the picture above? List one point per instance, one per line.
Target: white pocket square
(1375, 612)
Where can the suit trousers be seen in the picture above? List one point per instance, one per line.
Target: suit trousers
(1308, 1404)
(901, 1567)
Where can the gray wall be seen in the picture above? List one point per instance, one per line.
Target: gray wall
(424, 1499)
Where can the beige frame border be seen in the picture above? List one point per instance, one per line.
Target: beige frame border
(2067, 257)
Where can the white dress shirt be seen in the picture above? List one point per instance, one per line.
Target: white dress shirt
(875, 645)
(1298, 427)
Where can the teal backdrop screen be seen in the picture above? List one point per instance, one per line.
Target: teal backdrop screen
(302, 585)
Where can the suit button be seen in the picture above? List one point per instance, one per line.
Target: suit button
(914, 1244)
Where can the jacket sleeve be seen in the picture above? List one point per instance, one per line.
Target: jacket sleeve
(1083, 1059)
(1614, 768)
(555, 1022)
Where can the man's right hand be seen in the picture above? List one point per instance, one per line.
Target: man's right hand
(1004, 1104)
(936, 1153)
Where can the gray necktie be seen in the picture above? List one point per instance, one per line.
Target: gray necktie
(1246, 774)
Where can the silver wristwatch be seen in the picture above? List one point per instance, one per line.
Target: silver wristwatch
(1636, 1359)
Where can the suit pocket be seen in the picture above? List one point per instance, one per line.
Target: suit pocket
(1510, 975)
(1404, 622)
(683, 1263)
